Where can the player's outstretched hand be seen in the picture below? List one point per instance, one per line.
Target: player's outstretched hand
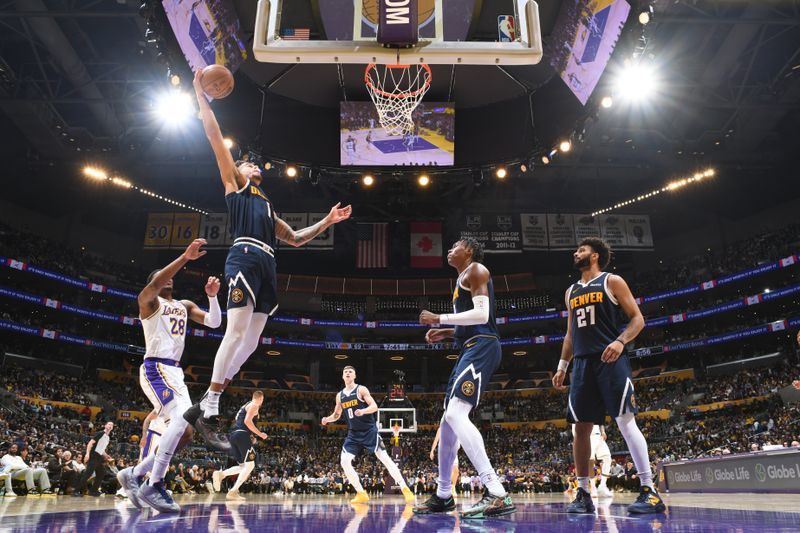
(612, 352)
(193, 251)
(558, 379)
(212, 287)
(426, 317)
(326, 420)
(338, 214)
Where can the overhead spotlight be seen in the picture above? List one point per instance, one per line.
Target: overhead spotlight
(175, 107)
(565, 146)
(424, 180)
(545, 159)
(636, 82)
(501, 173)
(228, 142)
(175, 80)
(646, 15)
(291, 171)
(367, 180)
(268, 165)
(95, 173)
(523, 167)
(606, 102)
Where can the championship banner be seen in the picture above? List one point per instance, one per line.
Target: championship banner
(613, 230)
(585, 226)
(426, 244)
(323, 241)
(560, 231)
(159, 230)
(499, 233)
(534, 231)
(638, 229)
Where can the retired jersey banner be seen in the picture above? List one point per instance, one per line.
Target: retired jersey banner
(499, 233)
(158, 232)
(214, 229)
(426, 244)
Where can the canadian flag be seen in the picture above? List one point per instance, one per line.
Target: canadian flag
(426, 245)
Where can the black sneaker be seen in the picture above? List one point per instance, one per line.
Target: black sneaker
(582, 504)
(207, 428)
(489, 506)
(435, 504)
(648, 502)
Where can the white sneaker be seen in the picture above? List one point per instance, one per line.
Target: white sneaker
(234, 495)
(603, 492)
(216, 479)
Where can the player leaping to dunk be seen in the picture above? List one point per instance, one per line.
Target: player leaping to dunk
(476, 334)
(362, 433)
(249, 268)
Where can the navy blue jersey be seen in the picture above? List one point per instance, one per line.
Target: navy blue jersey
(238, 422)
(597, 318)
(351, 402)
(462, 301)
(250, 214)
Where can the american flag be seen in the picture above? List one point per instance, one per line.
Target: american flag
(372, 250)
(296, 34)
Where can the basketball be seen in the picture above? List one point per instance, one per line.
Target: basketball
(217, 81)
(370, 11)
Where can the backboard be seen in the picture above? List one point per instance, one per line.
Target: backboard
(451, 32)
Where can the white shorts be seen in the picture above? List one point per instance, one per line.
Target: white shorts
(163, 385)
(600, 449)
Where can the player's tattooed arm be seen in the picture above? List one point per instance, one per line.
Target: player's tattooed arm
(337, 413)
(285, 233)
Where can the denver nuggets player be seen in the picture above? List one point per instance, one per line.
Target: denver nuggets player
(476, 334)
(362, 433)
(249, 267)
(601, 374)
(164, 322)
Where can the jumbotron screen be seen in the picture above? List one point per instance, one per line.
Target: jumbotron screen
(365, 143)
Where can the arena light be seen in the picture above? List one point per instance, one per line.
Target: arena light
(424, 180)
(606, 102)
(520, 353)
(452, 356)
(341, 356)
(646, 15)
(368, 181)
(397, 358)
(545, 159)
(120, 182)
(95, 173)
(291, 171)
(565, 146)
(501, 173)
(175, 107)
(228, 142)
(175, 80)
(669, 187)
(273, 352)
(636, 82)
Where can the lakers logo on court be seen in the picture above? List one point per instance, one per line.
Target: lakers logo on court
(237, 296)
(468, 388)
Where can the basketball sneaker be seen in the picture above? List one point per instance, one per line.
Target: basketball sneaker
(490, 506)
(361, 497)
(582, 503)
(207, 428)
(408, 495)
(130, 486)
(435, 504)
(156, 496)
(604, 492)
(216, 480)
(234, 495)
(648, 502)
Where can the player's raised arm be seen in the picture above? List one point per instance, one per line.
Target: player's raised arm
(372, 407)
(620, 290)
(337, 413)
(231, 178)
(285, 233)
(148, 298)
(213, 317)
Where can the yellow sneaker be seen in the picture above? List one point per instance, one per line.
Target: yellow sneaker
(361, 497)
(408, 495)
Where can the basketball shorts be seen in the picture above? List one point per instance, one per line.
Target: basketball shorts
(479, 358)
(251, 276)
(162, 383)
(242, 449)
(363, 440)
(599, 449)
(599, 389)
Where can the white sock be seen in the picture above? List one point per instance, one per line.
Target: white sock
(583, 483)
(605, 471)
(145, 465)
(447, 451)
(350, 472)
(243, 475)
(210, 404)
(166, 448)
(457, 417)
(252, 338)
(637, 446)
(391, 466)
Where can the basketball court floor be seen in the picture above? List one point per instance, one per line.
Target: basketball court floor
(327, 514)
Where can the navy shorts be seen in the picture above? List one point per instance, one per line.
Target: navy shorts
(363, 440)
(479, 358)
(251, 276)
(241, 447)
(598, 389)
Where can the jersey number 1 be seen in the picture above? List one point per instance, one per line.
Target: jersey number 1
(581, 313)
(350, 412)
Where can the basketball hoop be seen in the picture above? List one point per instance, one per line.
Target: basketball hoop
(396, 91)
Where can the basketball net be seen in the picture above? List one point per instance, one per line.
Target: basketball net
(396, 433)
(396, 91)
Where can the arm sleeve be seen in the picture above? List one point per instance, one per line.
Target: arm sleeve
(479, 314)
(213, 317)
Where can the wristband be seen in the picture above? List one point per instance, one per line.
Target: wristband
(562, 365)
(620, 341)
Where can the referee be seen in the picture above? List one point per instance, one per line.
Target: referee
(95, 460)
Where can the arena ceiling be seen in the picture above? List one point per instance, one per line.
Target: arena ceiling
(77, 83)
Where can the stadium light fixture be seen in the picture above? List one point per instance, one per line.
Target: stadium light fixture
(95, 173)
(424, 180)
(228, 142)
(291, 171)
(368, 180)
(565, 146)
(636, 82)
(175, 107)
(501, 173)
(341, 356)
(606, 102)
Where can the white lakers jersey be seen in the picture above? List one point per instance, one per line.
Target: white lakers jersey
(165, 330)
(596, 433)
